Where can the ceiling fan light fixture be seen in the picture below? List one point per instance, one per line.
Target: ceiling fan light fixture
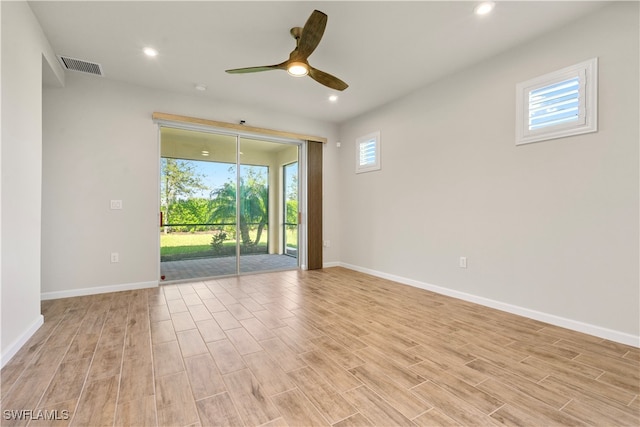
(298, 69)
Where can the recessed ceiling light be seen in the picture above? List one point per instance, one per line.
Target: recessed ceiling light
(149, 51)
(333, 98)
(484, 8)
(204, 153)
(201, 87)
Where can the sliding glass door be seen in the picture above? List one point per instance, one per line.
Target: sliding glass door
(223, 204)
(197, 204)
(261, 219)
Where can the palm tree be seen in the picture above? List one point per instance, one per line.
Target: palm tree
(223, 204)
(254, 202)
(254, 205)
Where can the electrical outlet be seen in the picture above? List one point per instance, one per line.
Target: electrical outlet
(116, 204)
(463, 262)
(115, 257)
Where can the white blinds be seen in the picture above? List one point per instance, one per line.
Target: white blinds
(368, 152)
(555, 104)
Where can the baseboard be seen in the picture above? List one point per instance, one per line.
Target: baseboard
(21, 340)
(575, 325)
(331, 264)
(96, 290)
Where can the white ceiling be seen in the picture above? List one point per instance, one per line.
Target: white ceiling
(383, 50)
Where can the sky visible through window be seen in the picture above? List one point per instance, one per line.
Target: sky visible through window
(214, 175)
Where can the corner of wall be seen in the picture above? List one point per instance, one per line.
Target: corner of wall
(21, 156)
(15, 346)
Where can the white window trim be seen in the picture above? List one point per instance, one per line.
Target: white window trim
(365, 138)
(588, 122)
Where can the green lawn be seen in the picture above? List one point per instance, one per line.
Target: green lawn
(291, 235)
(179, 243)
(178, 246)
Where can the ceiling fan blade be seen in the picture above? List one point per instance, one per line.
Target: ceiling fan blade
(256, 69)
(327, 79)
(312, 33)
(307, 39)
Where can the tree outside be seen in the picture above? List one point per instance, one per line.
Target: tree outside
(291, 208)
(201, 220)
(179, 183)
(254, 205)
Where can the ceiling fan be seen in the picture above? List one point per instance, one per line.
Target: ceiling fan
(307, 39)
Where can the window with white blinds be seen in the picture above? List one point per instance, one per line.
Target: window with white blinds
(368, 152)
(558, 104)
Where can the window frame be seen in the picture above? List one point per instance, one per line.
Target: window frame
(587, 122)
(375, 136)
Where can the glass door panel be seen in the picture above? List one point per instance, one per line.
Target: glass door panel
(198, 205)
(260, 197)
(290, 218)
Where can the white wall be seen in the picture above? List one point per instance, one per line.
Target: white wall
(100, 144)
(22, 65)
(550, 229)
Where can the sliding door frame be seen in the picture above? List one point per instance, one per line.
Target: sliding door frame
(310, 239)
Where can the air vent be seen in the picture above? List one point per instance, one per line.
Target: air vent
(80, 65)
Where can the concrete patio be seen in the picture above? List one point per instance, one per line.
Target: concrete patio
(225, 266)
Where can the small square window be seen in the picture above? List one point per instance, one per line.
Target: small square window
(368, 153)
(558, 104)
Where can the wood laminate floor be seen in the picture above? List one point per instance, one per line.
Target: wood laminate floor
(325, 347)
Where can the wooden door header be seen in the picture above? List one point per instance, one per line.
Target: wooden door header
(235, 127)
